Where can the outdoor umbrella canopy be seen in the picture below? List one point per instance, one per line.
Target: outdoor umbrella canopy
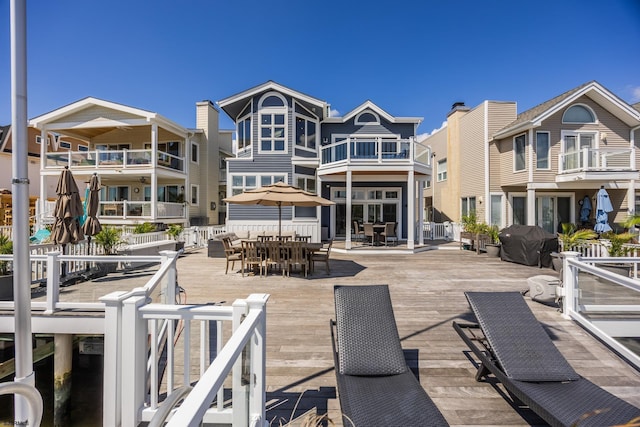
(66, 227)
(91, 225)
(603, 205)
(278, 194)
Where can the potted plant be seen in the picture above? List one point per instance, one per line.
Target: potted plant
(571, 239)
(469, 230)
(6, 276)
(109, 238)
(493, 248)
(615, 244)
(174, 232)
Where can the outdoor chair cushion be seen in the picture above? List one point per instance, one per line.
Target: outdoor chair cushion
(368, 340)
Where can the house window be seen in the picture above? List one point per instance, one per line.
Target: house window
(83, 148)
(306, 135)
(519, 206)
(244, 133)
(579, 114)
(307, 183)
(496, 210)
(166, 193)
(542, 150)
(273, 111)
(65, 144)
(467, 206)
(241, 183)
(366, 118)
(195, 199)
(442, 170)
(519, 146)
(114, 193)
(39, 140)
(195, 151)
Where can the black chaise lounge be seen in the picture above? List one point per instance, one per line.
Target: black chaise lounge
(520, 354)
(375, 385)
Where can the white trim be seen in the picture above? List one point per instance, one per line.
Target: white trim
(273, 112)
(376, 116)
(502, 209)
(295, 133)
(272, 86)
(509, 206)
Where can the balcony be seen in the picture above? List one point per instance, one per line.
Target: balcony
(113, 159)
(597, 164)
(375, 151)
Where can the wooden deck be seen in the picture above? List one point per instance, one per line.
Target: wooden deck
(427, 293)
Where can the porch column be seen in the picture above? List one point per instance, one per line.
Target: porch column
(318, 232)
(154, 168)
(411, 210)
(420, 212)
(43, 180)
(631, 197)
(347, 241)
(531, 206)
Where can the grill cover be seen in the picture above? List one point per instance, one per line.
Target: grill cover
(528, 245)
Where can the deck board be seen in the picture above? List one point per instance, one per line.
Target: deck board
(427, 291)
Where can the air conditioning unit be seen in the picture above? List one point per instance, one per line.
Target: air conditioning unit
(542, 288)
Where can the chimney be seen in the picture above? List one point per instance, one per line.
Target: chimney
(458, 106)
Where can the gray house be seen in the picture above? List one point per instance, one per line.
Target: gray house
(368, 162)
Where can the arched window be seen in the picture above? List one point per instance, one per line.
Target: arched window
(273, 123)
(366, 118)
(579, 114)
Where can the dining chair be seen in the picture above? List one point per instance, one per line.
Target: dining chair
(358, 234)
(305, 239)
(369, 232)
(275, 255)
(253, 256)
(322, 256)
(297, 256)
(231, 255)
(389, 233)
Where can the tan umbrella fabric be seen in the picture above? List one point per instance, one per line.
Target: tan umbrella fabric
(92, 225)
(278, 194)
(68, 209)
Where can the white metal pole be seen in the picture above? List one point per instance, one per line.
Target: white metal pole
(20, 206)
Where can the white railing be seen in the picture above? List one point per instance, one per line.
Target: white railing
(598, 159)
(134, 209)
(199, 236)
(440, 231)
(39, 263)
(605, 303)
(102, 159)
(379, 150)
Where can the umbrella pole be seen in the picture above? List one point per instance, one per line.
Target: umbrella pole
(279, 220)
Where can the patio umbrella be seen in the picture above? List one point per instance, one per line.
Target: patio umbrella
(278, 194)
(66, 227)
(603, 205)
(91, 225)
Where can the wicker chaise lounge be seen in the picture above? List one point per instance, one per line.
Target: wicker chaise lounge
(375, 385)
(520, 354)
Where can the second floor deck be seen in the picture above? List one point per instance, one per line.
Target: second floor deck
(597, 164)
(104, 160)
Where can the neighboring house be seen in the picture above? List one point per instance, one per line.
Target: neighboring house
(538, 167)
(150, 168)
(368, 162)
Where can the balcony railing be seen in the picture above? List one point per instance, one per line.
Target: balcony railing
(126, 209)
(375, 150)
(98, 159)
(598, 160)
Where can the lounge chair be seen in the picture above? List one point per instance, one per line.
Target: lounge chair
(520, 354)
(375, 385)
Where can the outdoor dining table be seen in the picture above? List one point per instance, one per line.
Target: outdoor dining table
(309, 247)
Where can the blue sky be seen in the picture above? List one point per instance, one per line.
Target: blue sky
(410, 57)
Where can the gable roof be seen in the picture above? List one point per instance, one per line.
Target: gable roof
(369, 105)
(233, 105)
(594, 90)
(62, 118)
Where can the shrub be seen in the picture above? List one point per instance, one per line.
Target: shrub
(109, 238)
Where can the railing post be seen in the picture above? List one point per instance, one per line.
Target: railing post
(111, 388)
(569, 282)
(632, 160)
(257, 390)
(171, 278)
(239, 392)
(53, 281)
(134, 360)
(124, 209)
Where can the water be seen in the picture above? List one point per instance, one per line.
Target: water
(86, 391)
